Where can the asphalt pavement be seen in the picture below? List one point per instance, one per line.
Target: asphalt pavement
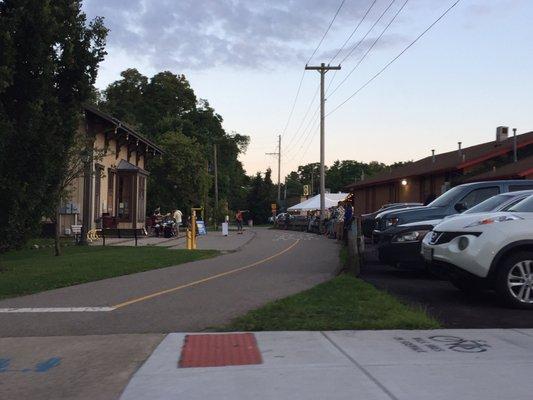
(189, 297)
(452, 307)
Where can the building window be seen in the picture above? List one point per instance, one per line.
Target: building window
(124, 197)
(141, 203)
(110, 191)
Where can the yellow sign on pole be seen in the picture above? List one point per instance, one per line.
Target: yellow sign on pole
(306, 190)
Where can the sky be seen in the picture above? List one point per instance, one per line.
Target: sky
(469, 74)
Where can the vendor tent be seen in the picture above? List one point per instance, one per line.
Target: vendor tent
(332, 199)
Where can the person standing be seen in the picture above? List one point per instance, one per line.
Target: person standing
(339, 223)
(348, 216)
(178, 217)
(239, 219)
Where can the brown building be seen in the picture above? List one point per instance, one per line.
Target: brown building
(422, 180)
(115, 192)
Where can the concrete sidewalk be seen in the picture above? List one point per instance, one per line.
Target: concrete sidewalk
(214, 240)
(410, 365)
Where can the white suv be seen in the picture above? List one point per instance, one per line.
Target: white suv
(494, 250)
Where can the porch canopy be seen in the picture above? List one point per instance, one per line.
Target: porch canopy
(332, 199)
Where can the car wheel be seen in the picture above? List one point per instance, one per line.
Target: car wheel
(514, 282)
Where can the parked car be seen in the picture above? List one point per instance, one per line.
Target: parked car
(454, 201)
(400, 245)
(368, 221)
(487, 250)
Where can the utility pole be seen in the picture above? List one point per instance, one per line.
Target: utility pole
(216, 183)
(278, 154)
(322, 69)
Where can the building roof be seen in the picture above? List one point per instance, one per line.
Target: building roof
(123, 126)
(448, 161)
(519, 169)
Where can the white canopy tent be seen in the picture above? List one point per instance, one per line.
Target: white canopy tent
(332, 199)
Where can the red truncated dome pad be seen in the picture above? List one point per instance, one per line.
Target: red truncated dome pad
(219, 350)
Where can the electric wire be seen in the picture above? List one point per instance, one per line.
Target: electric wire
(359, 62)
(298, 90)
(346, 42)
(395, 58)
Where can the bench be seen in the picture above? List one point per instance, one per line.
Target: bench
(126, 233)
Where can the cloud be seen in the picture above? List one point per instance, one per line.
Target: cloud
(202, 34)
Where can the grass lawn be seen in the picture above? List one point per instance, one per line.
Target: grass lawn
(345, 302)
(30, 271)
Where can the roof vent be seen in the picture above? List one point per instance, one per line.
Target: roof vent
(459, 150)
(433, 156)
(502, 133)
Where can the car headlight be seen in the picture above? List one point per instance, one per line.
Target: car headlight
(391, 222)
(413, 236)
(493, 220)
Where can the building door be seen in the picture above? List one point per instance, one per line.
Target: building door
(110, 191)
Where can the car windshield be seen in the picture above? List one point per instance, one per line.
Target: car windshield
(446, 198)
(490, 204)
(525, 205)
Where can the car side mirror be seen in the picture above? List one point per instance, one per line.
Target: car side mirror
(460, 207)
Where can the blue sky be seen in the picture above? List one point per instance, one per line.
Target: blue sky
(468, 75)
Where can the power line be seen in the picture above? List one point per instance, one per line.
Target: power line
(347, 40)
(327, 30)
(371, 47)
(303, 73)
(367, 33)
(305, 116)
(395, 58)
(354, 31)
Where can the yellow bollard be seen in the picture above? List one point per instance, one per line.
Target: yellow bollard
(193, 229)
(189, 240)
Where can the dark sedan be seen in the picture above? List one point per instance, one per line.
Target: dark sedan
(368, 221)
(400, 245)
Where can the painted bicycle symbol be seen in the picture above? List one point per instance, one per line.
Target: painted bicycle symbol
(459, 344)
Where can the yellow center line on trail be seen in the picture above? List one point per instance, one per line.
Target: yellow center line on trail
(198, 282)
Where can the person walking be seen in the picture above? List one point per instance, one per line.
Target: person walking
(239, 219)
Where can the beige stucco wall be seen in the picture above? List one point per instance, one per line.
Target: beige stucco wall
(108, 161)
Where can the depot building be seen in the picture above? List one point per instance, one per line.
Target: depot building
(112, 191)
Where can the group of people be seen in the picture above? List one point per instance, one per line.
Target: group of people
(338, 220)
(168, 224)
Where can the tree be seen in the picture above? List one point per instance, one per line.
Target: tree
(260, 197)
(49, 59)
(124, 99)
(167, 103)
(179, 179)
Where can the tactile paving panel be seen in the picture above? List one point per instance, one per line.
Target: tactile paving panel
(219, 350)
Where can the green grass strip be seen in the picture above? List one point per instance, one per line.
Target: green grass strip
(344, 302)
(31, 271)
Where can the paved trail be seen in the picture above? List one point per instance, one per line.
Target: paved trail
(188, 297)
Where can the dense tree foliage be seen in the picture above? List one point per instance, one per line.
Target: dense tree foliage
(261, 195)
(166, 109)
(49, 56)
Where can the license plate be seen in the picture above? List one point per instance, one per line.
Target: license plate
(427, 254)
